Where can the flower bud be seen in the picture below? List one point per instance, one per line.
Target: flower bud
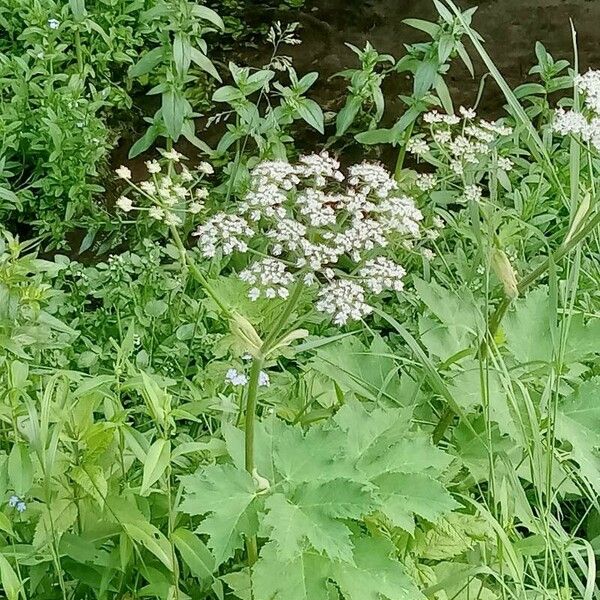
(505, 273)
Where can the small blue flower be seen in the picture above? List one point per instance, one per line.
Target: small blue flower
(21, 506)
(13, 501)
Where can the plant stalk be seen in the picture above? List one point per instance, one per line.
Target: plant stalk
(501, 310)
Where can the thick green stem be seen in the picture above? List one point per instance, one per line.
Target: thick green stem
(251, 402)
(252, 397)
(257, 365)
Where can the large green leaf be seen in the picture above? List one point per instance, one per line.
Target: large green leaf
(304, 578)
(374, 575)
(369, 372)
(405, 494)
(227, 495)
(578, 422)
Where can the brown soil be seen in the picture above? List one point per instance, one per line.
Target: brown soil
(510, 29)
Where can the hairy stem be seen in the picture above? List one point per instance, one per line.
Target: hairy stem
(251, 399)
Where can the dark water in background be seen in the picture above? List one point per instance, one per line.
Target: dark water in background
(510, 29)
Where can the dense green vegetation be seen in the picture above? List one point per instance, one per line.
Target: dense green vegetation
(262, 371)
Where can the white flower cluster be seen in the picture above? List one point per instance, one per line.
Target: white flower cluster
(344, 300)
(269, 276)
(574, 122)
(227, 232)
(381, 274)
(238, 378)
(472, 143)
(166, 196)
(308, 223)
(426, 181)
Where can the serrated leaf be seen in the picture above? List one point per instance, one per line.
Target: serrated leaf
(54, 521)
(406, 494)
(578, 422)
(311, 515)
(227, 494)
(305, 577)
(369, 371)
(452, 536)
(91, 478)
(374, 575)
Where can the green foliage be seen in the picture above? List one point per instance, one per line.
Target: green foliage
(319, 483)
(164, 435)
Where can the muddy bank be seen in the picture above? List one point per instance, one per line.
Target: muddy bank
(510, 29)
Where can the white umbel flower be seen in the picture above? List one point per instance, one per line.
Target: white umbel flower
(426, 181)
(269, 278)
(227, 232)
(123, 172)
(372, 178)
(417, 146)
(125, 203)
(153, 166)
(382, 274)
(344, 300)
(473, 193)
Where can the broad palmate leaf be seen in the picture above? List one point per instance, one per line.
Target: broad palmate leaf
(228, 494)
(311, 498)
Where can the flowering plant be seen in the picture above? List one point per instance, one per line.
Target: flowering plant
(308, 224)
(170, 196)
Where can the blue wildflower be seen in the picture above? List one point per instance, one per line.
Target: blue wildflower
(13, 501)
(21, 506)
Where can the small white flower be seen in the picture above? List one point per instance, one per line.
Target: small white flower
(263, 379)
(53, 23)
(201, 193)
(171, 219)
(505, 163)
(172, 155)
(148, 187)
(153, 166)
(467, 113)
(224, 231)
(124, 172)
(124, 203)
(344, 300)
(205, 168)
(426, 181)
(156, 212)
(269, 275)
(417, 146)
(236, 378)
(438, 222)
(473, 193)
(186, 176)
(427, 254)
(382, 274)
(196, 207)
